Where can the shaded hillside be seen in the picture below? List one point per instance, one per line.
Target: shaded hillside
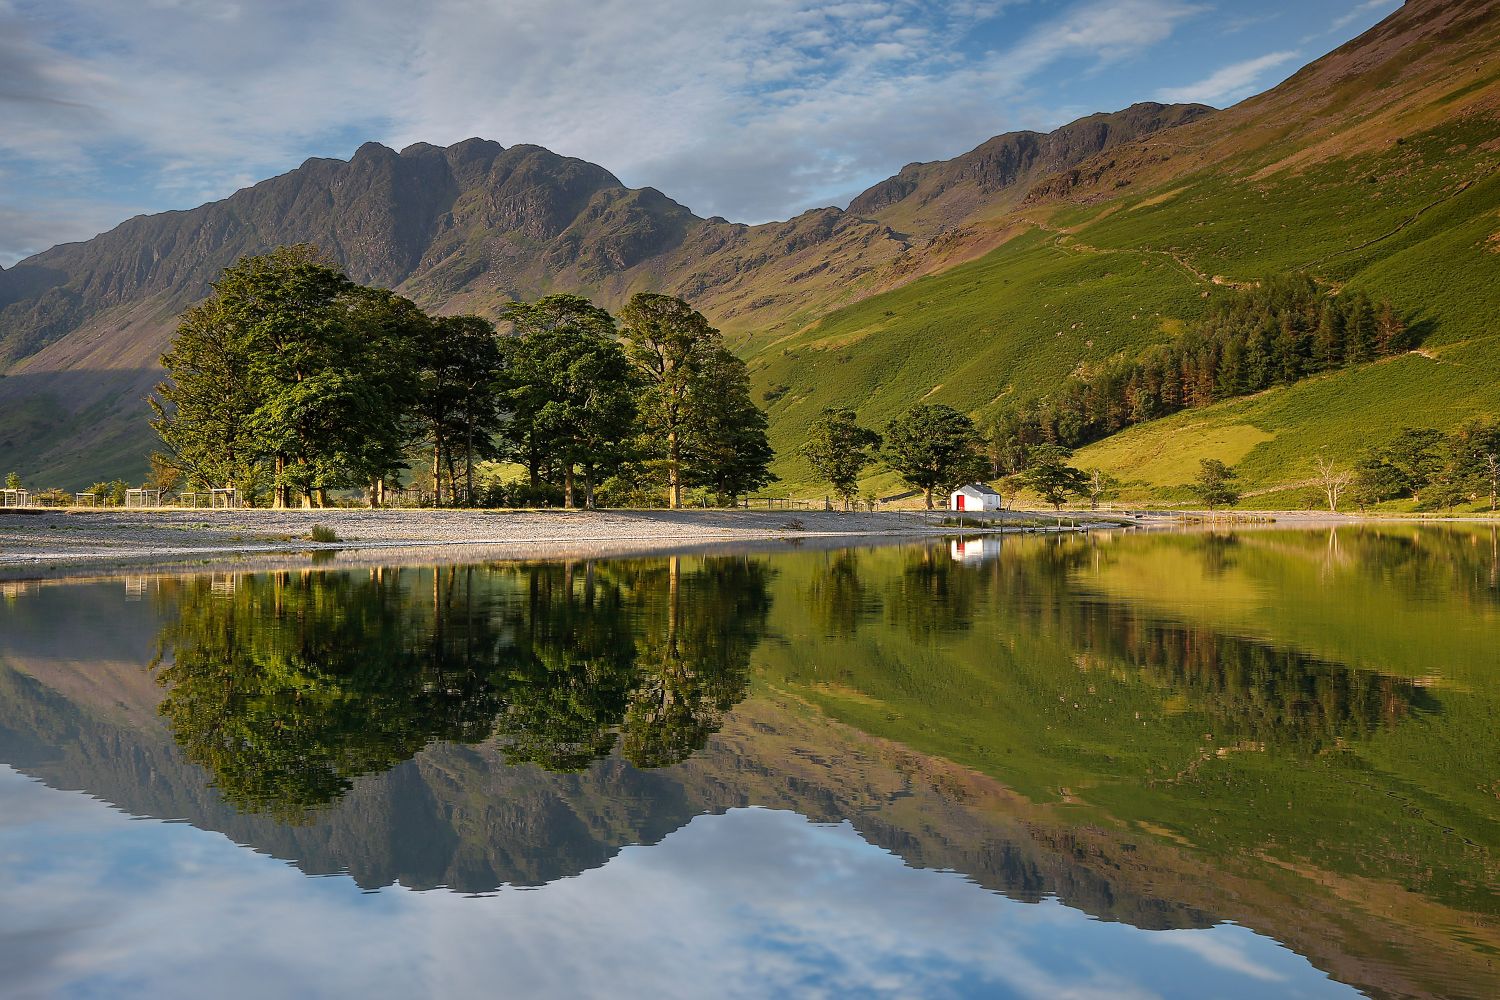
(463, 228)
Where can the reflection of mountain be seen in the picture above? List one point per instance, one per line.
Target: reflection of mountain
(1172, 766)
(460, 817)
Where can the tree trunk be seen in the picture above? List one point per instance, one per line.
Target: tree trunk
(437, 470)
(568, 484)
(281, 497)
(929, 497)
(674, 470)
(469, 463)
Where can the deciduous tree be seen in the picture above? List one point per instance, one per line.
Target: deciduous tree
(1333, 479)
(1100, 488)
(839, 449)
(934, 447)
(1214, 486)
(1050, 475)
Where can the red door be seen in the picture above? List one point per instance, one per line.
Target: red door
(961, 501)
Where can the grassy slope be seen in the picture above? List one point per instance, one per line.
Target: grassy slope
(1022, 316)
(1417, 222)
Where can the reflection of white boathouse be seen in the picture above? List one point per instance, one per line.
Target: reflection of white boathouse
(975, 550)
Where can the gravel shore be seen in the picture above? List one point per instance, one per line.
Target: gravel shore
(50, 540)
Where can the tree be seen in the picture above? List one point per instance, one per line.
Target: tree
(203, 408)
(727, 449)
(1101, 487)
(12, 481)
(693, 393)
(934, 447)
(839, 449)
(289, 362)
(1214, 485)
(1050, 475)
(456, 405)
(572, 390)
(1416, 456)
(1333, 479)
(1471, 464)
(1376, 481)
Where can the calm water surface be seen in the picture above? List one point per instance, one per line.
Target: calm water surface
(1234, 765)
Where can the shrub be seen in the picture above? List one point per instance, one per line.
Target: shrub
(323, 533)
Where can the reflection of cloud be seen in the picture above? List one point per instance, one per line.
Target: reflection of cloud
(1219, 950)
(751, 903)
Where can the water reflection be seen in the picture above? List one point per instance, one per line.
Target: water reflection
(286, 686)
(1162, 732)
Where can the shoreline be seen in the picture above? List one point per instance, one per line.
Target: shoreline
(39, 543)
(54, 542)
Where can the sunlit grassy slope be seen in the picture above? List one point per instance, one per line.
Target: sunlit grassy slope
(1417, 221)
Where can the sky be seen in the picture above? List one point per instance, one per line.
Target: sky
(750, 109)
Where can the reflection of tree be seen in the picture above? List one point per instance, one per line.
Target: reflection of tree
(286, 687)
(933, 594)
(293, 684)
(568, 683)
(694, 656)
(1431, 563)
(1218, 553)
(838, 598)
(1254, 689)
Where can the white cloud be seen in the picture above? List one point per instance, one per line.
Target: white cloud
(1231, 83)
(1362, 11)
(751, 109)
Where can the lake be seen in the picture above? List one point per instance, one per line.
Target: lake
(1248, 764)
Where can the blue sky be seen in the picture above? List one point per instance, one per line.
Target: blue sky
(752, 109)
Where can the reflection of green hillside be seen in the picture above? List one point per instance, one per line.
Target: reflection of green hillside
(1399, 599)
(1242, 745)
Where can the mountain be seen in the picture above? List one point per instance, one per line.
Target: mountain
(469, 227)
(988, 277)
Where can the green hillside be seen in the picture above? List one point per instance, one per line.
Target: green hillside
(1417, 222)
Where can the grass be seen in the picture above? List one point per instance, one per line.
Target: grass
(323, 533)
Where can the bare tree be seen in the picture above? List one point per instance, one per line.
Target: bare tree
(1333, 479)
